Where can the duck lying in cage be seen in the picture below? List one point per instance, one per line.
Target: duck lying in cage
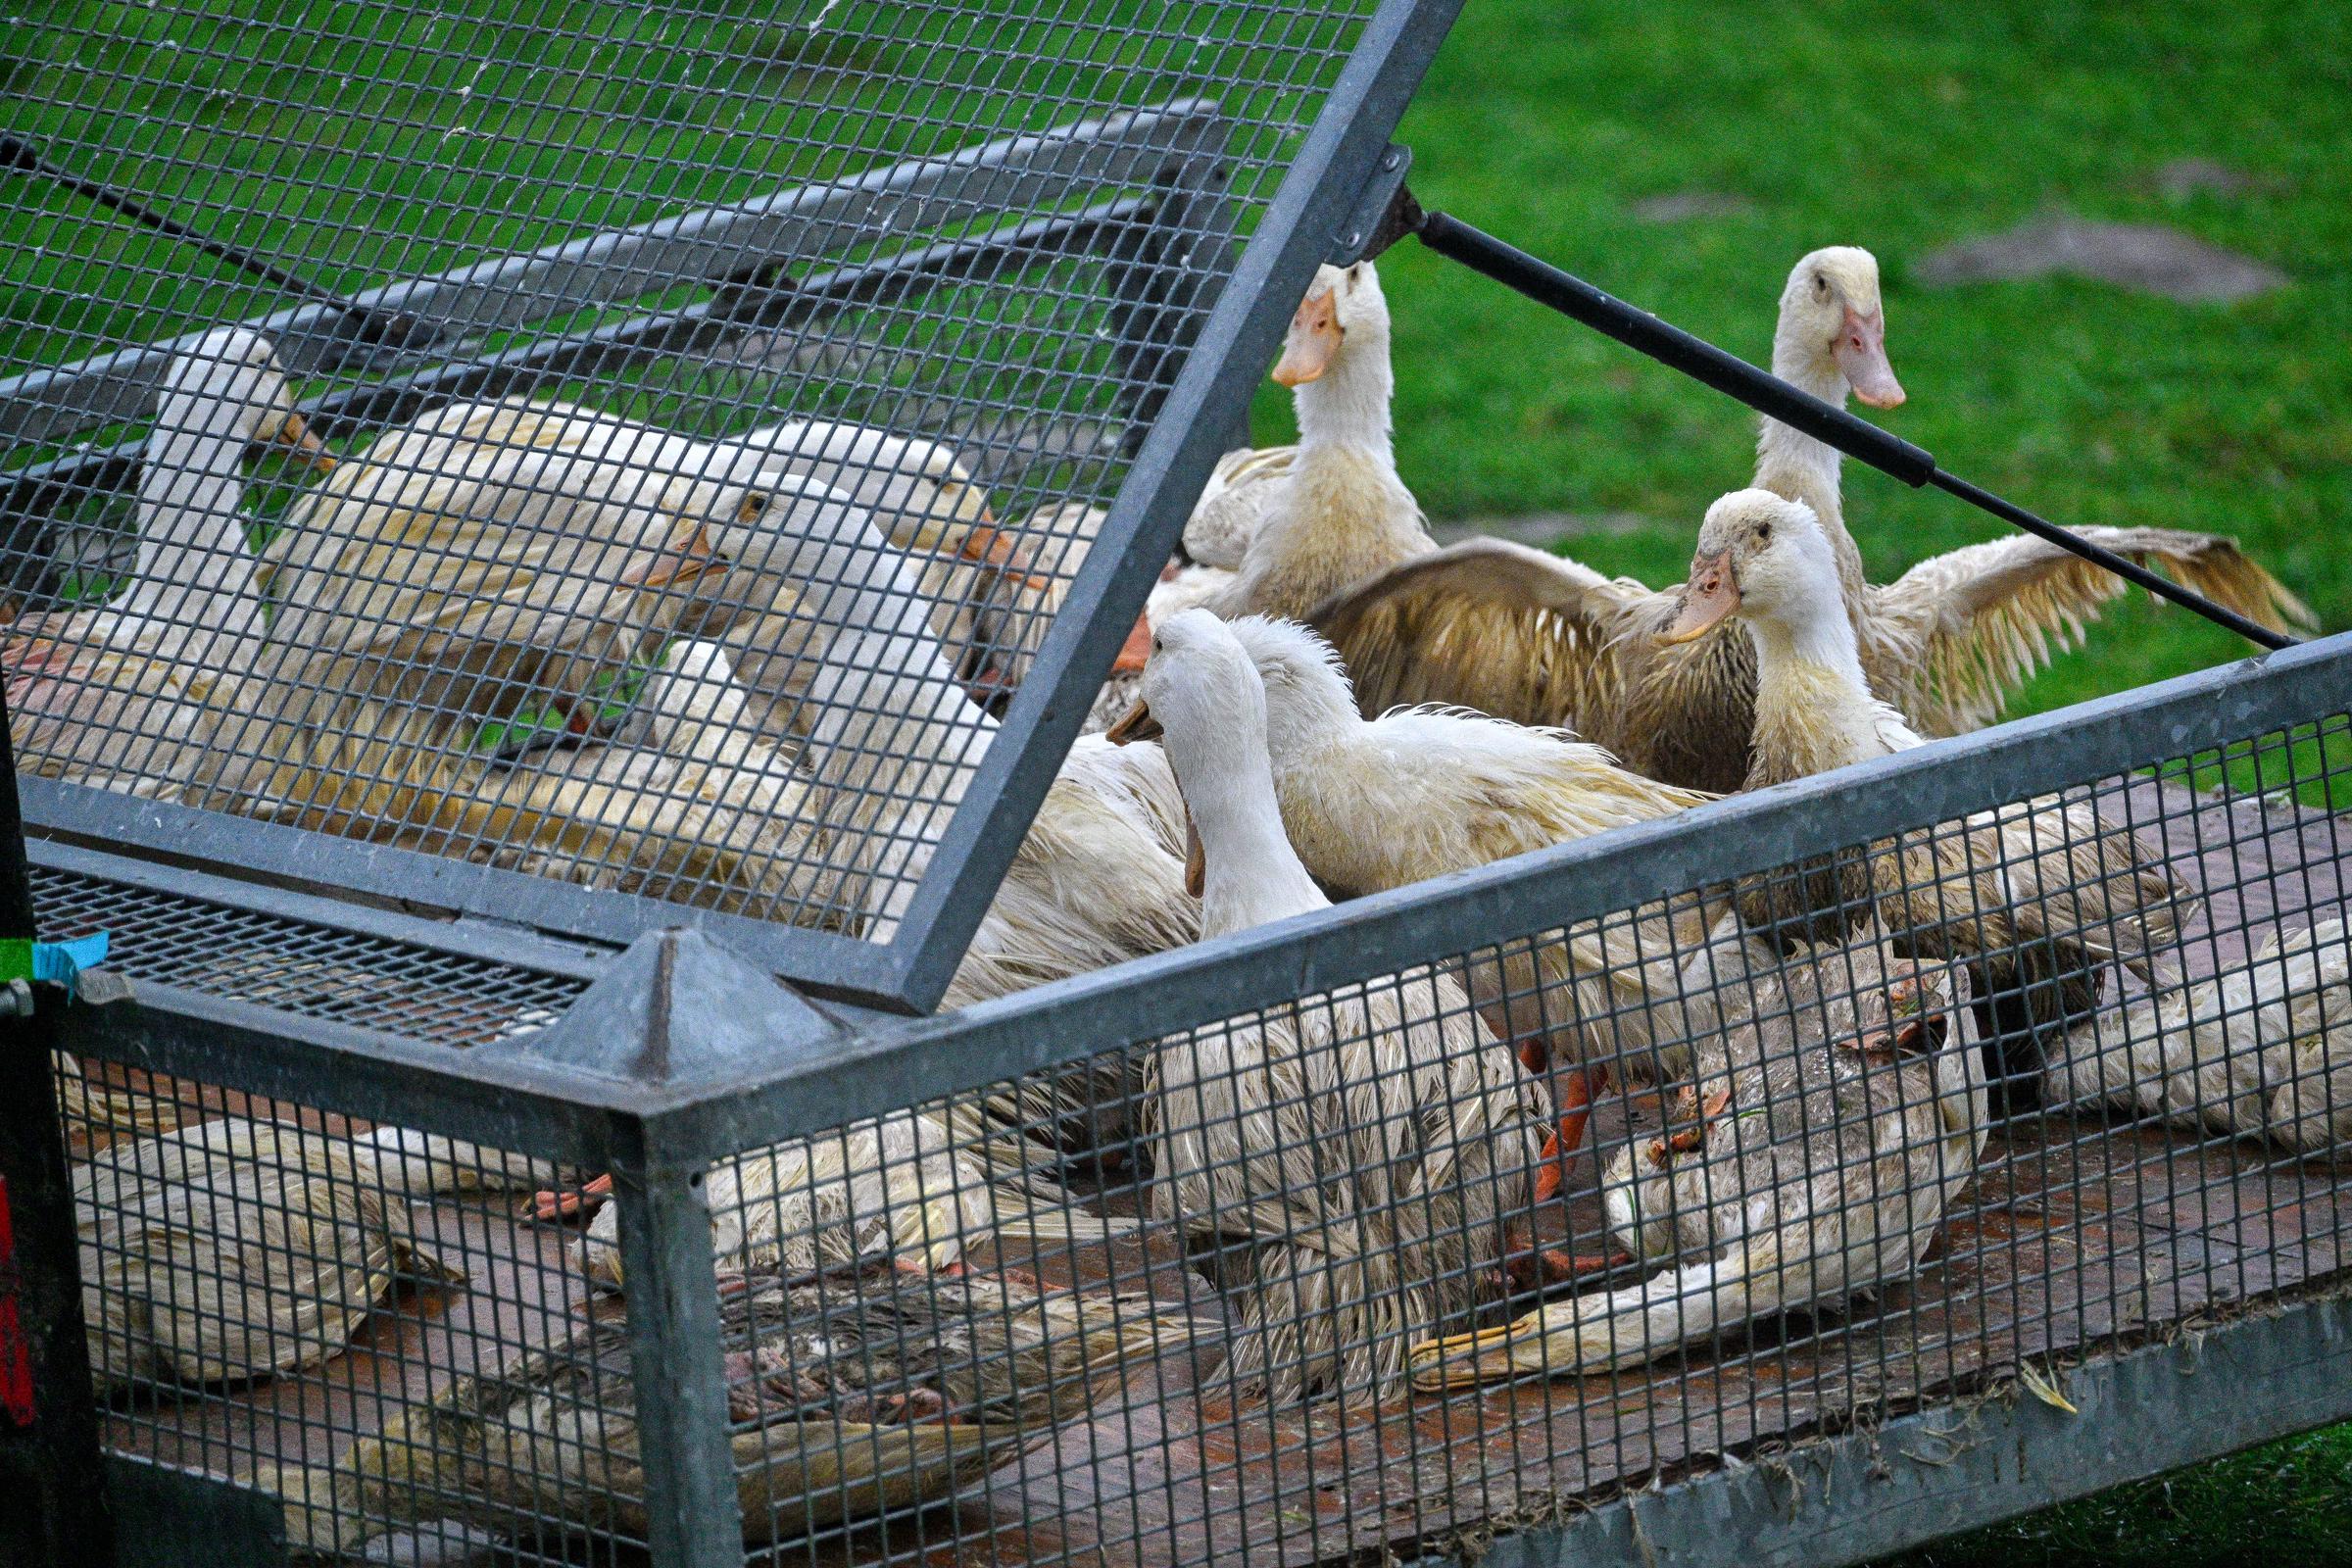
(911, 1187)
(1352, 1157)
(235, 1249)
(2261, 1050)
(1828, 1124)
(848, 1395)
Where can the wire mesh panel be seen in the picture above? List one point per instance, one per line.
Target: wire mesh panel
(1407, 1240)
(267, 1288)
(695, 423)
(1381, 1230)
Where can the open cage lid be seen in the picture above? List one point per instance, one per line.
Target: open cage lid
(879, 349)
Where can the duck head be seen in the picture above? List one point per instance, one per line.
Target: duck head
(1910, 1016)
(1344, 310)
(229, 385)
(1834, 327)
(1762, 558)
(921, 495)
(1202, 697)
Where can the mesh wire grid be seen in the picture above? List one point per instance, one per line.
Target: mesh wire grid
(1312, 1269)
(217, 949)
(266, 1286)
(723, 408)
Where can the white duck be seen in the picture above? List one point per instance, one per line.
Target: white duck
(1526, 635)
(2039, 892)
(396, 765)
(1813, 1155)
(1371, 804)
(1361, 1143)
(117, 694)
(2261, 1050)
(1340, 513)
(436, 481)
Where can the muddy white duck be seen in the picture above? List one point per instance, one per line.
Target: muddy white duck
(1100, 871)
(2261, 1050)
(860, 1396)
(398, 766)
(1350, 1154)
(1522, 634)
(467, 461)
(1280, 528)
(115, 694)
(1340, 513)
(895, 1190)
(1370, 804)
(2041, 892)
(234, 1249)
(1812, 1155)
(1233, 503)
(1097, 878)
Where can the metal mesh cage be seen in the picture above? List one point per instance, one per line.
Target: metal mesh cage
(1722, 1137)
(725, 414)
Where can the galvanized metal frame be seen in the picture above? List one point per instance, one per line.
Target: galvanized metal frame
(868, 1061)
(1578, 881)
(1175, 146)
(1996, 1456)
(1169, 147)
(560, 1094)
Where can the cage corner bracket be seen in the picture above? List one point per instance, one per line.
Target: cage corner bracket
(677, 1008)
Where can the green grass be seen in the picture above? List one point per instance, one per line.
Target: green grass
(2283, 1503)
(1900, 129)
(1896, 128)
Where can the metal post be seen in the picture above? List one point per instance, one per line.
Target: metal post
(50, 1472)
(693, 1520)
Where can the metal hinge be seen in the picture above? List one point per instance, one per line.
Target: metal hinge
(1385, 211)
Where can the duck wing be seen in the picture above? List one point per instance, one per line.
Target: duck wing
(1486, 624)
(1226, 516)
(1949, 640)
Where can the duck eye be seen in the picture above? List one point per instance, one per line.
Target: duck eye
(1764, 533)
(1157, 646)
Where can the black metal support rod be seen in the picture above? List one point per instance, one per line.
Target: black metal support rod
(22, 156)
(1775, 398)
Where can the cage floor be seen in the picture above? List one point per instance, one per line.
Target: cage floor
(2077, 1235)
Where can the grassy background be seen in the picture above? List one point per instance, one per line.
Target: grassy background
(1900, 129)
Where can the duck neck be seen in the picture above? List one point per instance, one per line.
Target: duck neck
(892, 726)
(1314, 726)
(1797, 468)
(1813, 702)
(193, 580)
(1345, 409)
(1251, 876)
